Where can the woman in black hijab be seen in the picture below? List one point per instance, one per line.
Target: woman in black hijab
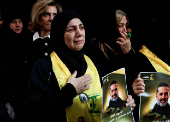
(14, 62)
(53, 93)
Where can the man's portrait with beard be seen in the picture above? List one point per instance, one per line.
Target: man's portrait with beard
(116, 104)
(161, 110)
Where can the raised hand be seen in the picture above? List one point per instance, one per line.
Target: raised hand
(138, 86)
(124, 42)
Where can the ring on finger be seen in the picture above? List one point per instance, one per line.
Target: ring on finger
(85, 85)
(133, 105)
(129, 35)
(138, 88)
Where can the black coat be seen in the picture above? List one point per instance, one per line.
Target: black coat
(45, 99)
(43, 93)
(114, 62)
(37, 49)
(128, 61)
(47, 102)
(14, 69)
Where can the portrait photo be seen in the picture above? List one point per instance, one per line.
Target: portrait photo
(154, 104)
(114, 97)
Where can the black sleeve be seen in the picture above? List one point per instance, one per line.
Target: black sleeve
(128, 59)
(44, 95)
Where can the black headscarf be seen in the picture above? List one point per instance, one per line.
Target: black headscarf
(11, 40)
(9, 16)
(74, 60)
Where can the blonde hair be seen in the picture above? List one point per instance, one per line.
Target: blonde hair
(40, 7)
(119, 16)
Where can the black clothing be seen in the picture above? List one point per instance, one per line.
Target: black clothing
(107, 34)
(114, 63)
(74, 60)
(60, 21)
(47, 100)
(157, 42)
(158, 38)
(15, 76)
(115, 106)
(118, 103)
(37, 49)
(127, 61)
(162, 110)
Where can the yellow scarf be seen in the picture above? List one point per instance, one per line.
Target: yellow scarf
(157, 63)
(91, 110)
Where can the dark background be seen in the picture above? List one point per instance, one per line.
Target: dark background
(145, 11)
(140, 13)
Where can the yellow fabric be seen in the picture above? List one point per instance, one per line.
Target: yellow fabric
(157, 63)
(91, 110)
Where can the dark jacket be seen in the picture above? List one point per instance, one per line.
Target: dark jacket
(157, 41)
(37, 49)
(14, 61)
(46, 101)
(127, 61)
(117, 105)
(114, 62)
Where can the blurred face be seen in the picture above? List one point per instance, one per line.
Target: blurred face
(75, 34)
(162, 95)
(129, 30)
(30, 28)
(122, 25)
(114, 91)
(1, 23)
(47, 17)
(16, 25)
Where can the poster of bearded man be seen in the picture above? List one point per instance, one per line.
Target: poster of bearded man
(115, 95)
(154, 102)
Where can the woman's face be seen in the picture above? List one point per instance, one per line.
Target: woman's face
(46, 18)
(30, 28)
(122, 25)
(75, 34)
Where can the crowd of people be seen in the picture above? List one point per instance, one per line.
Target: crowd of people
(47, 65)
